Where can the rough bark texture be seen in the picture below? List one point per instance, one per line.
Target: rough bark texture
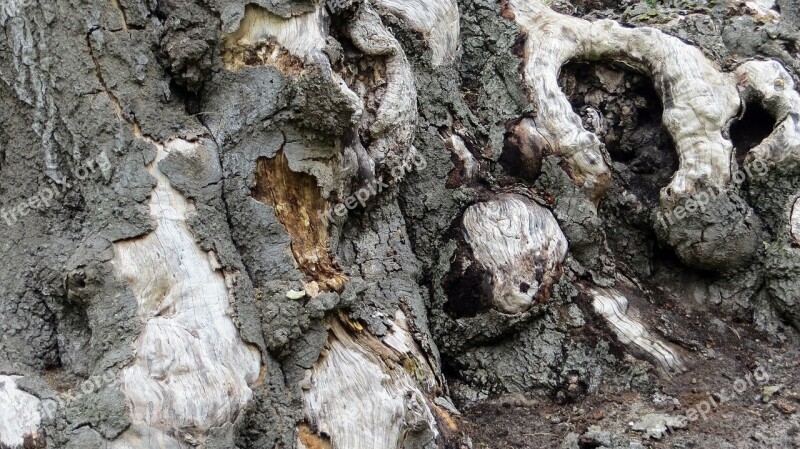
(399, 224)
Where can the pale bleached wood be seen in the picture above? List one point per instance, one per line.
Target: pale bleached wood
(520, 244)
(20, 419)
(395, 125)
(795, 222)
(302, 35)
(613, 307)
(763, 9)
(699, 101)
(436, 20)
(191, 370)
(471, 167)
(364, 393)
(768, 83)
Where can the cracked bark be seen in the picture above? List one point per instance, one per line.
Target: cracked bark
(323, 225)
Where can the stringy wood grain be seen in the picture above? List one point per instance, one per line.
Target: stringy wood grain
(699, 100)
(191, 371)
(520, 244)
(613, 307)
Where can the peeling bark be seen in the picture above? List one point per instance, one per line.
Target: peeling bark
(260, 265)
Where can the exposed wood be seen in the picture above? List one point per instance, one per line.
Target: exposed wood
(365, 393)
(520, 244)
(289, 44)
(192, 371)
(313, 102)
(437, 20)
(307, 439)
(768, 83)
(763, 9)
(469, 166)
(394, 127)
(699, 101)
(298, 202)
(613, 307)
(302, 35)
(20, 419)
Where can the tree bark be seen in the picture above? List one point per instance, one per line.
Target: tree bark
(342, 224)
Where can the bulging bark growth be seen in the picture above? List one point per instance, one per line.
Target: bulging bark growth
(520, 246)
(260, 265)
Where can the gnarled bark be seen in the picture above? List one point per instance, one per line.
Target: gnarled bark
(328, 224)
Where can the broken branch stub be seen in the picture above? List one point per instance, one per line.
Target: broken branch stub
(521, 248)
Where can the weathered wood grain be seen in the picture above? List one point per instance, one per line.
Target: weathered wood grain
(192, 371)
(436, 20)
(769, 84)
(20, 419)
(366, 393)
(520, 244)
(613, 307)
(699, 100)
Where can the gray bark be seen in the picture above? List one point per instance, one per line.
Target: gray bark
(379, 223)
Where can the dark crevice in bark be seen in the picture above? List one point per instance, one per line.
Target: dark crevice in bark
(623, 109)
(522, 156)
(751, 129)
(466, 287)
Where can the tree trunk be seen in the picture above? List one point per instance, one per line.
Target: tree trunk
(377, 223)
